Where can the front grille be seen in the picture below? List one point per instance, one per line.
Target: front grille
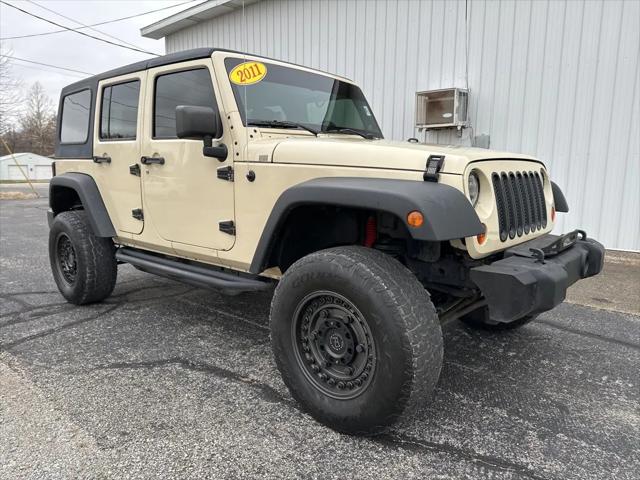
(520, 202)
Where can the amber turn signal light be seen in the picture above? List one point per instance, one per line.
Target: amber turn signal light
(553, 213)
(415, 219)
(482, 237)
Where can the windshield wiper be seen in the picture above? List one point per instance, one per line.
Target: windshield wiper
(281, 124)
(354, 131)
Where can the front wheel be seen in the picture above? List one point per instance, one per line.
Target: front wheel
(356, 339)
(84, 266)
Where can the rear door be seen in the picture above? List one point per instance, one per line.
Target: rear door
(116, 149)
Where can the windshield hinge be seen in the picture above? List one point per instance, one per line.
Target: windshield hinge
(228, 226)
(137, 214)
(134, 169)
(226, 173)
(433, 167)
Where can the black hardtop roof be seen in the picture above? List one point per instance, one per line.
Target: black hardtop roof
(177, 57)
(183, 56)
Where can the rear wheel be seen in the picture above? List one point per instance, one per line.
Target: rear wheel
(356, 339)
(480, 319)
(84, 266)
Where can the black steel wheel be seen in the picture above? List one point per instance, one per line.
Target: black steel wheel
(356, 339)
(334, 344)
(66, 258)
(84, 266)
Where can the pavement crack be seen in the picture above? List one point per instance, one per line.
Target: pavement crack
(488, 461)
(37, 315)
(54, 330)
(35, 292)
(266, 392)
(160, 296)
(595, 336)
(15, 299)
(122, 300)
(141, 289)
(225, 314)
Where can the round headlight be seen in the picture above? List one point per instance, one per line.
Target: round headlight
(473, 188)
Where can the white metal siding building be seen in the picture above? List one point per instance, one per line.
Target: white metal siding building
(555, 79)
(15, 167)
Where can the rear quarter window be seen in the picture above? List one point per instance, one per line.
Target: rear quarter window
(76, 110)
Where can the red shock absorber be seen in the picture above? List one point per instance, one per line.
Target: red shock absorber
(370, 234)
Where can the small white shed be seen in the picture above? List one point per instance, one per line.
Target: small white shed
(36, 167)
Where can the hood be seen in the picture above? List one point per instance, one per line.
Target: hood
(359, 152)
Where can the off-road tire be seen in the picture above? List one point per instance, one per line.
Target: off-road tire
(94, 275)
(404, 327)
(479, 319)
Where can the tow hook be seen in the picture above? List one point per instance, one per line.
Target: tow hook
(538, 254)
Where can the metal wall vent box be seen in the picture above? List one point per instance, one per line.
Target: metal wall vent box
(444, 108)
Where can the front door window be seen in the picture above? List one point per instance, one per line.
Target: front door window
(190, 87)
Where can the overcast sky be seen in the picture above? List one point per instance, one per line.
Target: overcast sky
(75, 51)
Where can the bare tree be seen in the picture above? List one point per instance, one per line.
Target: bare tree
(34, 130)
(11, 95)
(38, 122)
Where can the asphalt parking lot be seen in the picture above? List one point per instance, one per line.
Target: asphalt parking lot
(168, 381)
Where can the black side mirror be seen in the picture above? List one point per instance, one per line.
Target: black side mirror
(204, 123)
(197, 122)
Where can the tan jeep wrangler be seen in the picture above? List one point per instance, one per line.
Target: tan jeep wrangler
(235, 172)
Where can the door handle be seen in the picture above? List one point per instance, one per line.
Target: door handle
(151, 160)
(104, 159)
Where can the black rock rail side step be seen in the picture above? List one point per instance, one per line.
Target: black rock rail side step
(198, 274)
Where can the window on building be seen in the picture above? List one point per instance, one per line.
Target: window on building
(119, 115)
(74, 127)
(191, 87)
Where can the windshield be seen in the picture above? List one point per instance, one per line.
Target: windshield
(283, 97)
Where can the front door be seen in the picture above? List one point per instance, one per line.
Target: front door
(184, 199)
(116, 147)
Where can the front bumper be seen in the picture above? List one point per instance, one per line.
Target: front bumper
(526, 282)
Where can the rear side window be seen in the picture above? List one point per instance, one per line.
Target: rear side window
(119, 115)
(191, 87)
(74, 127)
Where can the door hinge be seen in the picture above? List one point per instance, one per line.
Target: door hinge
(137, 214)
(228, 226)
(134, 169)
(226, 173)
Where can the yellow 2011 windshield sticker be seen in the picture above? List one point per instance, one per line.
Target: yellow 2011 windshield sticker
(248, 73)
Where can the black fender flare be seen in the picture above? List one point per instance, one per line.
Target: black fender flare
(89, 195)
(558, 199)
(448, 213)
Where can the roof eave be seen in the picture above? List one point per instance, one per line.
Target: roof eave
(192, 16)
